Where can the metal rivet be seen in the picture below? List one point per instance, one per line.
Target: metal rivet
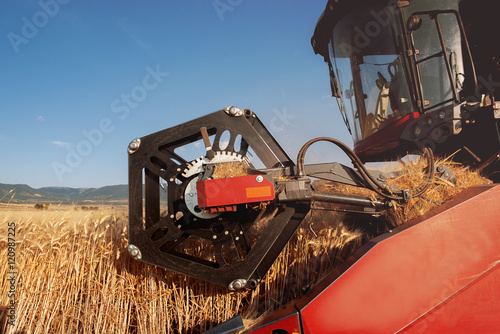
(134, 251)
(259, 178)
(134, 145)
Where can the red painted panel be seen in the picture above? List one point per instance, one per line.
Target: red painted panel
(386, 135)
(405, 275)
(474, 309)
(234, 190)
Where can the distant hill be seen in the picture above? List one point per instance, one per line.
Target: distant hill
(22, 193)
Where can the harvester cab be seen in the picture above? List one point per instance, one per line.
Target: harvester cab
(402, 72)
(405, 77)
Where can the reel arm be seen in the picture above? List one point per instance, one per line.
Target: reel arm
(229, 230)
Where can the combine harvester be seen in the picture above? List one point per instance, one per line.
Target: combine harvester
(409, 76)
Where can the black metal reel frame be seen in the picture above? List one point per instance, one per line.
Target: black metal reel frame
(158, 238)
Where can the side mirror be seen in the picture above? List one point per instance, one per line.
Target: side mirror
(414, 23)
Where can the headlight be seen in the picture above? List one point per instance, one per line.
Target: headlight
(417, 131)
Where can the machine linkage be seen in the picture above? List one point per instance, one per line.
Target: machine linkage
(228, 231)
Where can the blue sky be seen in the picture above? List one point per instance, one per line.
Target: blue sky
(105, 72)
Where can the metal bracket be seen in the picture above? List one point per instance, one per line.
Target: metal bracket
(445, 173)
(166, 239)
(496, 109)
(231, 326)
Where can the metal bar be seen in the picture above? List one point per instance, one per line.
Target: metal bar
(135, 205)
(412, 79)
(334, 172)
(418, 75)
(279, 155)
(446, 60)
(152, 192)
(440, 53)
(348, 199)
(206, 140)
(231, 326)
(289, 220)
(438, 104)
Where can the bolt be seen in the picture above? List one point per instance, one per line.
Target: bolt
(134, 146)
(237, 238)
(238, 284)
(178, 169)
(214, 237)
(172, 216)
(233, 111)
(440, 169)
(134, 252)
(171, 179)
(179, 226)
(226, 232)
(259, 178)
(241, 232)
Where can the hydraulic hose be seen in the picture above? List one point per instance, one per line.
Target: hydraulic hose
(370, 181)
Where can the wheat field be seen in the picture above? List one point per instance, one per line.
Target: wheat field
(74, 273)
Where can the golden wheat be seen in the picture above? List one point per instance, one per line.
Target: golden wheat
(76, 276)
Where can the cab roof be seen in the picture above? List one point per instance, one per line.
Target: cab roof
(335, 10)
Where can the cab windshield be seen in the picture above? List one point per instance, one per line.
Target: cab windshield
(367, 59)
